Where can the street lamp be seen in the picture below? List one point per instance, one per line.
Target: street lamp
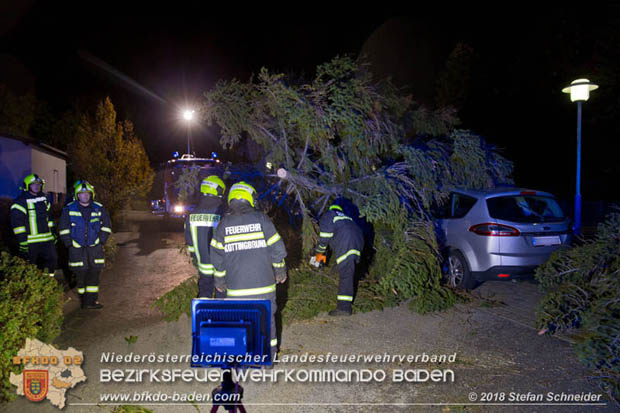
(579, 92)
(188, 115)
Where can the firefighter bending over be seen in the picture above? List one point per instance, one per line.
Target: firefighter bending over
(247, 251)
(346, 240)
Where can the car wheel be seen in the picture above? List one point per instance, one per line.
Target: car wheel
(457, 272)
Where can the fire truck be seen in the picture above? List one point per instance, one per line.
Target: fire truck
(171, 206)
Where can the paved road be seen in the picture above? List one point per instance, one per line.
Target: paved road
(497, 348)
(146, 265)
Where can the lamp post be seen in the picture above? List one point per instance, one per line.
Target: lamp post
(188, 115)
(579, 92)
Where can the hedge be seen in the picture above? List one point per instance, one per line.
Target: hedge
(30, 307)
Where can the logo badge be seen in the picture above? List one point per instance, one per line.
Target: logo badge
(35, 384)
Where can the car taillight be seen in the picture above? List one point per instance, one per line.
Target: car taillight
(490, 229)
(503, 275)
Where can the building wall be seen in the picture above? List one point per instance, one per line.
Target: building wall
(18, 159)
(52, 169)
(15, 164)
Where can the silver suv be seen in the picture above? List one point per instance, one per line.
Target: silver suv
(500, 234)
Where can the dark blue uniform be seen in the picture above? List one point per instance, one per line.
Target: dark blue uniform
(345, 238)
(247, 252)
(84, 230)
(33, 227)
(199, 227)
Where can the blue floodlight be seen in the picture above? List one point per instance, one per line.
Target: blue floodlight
(231, 333)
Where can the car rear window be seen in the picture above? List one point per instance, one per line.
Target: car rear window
(525, 208)
(460, 205)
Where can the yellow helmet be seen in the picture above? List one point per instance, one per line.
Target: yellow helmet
(213, 185)
(242, 190)
(33, 179)
(82, 185)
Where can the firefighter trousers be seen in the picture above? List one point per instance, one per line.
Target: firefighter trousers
(206, 286)
(88, 285)
(346, 272)
(43, 255)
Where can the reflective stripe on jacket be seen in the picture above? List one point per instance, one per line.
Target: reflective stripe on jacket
(30, 220)
(199, 227)
(245, 251)
(341, 233)
(84, 231)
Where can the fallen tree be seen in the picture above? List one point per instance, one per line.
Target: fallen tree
(345, 136)
(581, 287)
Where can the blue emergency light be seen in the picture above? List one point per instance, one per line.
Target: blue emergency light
(231, 333)
(175, 155)
(213, 155)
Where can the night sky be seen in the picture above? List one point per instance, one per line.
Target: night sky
(177, 51)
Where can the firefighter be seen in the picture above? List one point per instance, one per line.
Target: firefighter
(346, 240)
(199, 226)
(84, 228)
(247, 251)
(31, 223)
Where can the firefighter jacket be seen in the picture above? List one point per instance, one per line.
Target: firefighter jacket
(84, 231)
(29, 215)
(342, 234)
(199, 226)
(245, 251)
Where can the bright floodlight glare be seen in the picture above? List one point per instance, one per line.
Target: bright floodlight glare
(188, 114)
(580, 90)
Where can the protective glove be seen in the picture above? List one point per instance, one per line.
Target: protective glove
(318, 260)
(280, 275)
(194, 261)
(314, 262)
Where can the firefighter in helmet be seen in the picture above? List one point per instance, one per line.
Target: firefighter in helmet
(199, 227)
(84, 229)
(346, 240)
(31, 223)
(248, 253)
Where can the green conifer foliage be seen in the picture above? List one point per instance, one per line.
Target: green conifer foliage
(581, 286)
(344, 135)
